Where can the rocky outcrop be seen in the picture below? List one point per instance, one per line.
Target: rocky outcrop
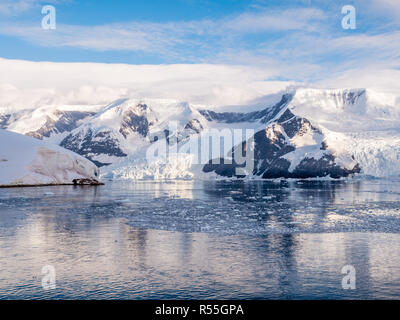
(86, 182)
(90, 143)
(4, 120)
(135, 119)
(291, 147)
(65, 121)
(104, 138)
(193, 127)
(263, 116)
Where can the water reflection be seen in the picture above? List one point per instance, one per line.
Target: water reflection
(109, 242)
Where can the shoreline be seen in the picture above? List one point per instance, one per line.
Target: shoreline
(49, 185)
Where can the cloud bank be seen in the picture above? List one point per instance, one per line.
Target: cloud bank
(25, 84)
(224, 61)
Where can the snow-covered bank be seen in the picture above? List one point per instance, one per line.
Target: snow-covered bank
(25, 161)
(301, 132)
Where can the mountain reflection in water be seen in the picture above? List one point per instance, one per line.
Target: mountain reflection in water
(151, 240)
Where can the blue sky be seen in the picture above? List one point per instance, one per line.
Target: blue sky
(295, 39)
(211, 51)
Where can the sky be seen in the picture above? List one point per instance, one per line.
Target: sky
(275, 43)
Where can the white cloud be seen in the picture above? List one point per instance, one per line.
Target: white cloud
(382, 80)
(300, 44)
(17, 7)
(25, 84)
(156, 37)
(305, 19)
(387, 7)
(305, 39)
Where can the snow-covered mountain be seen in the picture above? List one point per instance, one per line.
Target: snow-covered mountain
(289, 147)
(112, 133)
(303, 133)
(46, 122)
(28, 161)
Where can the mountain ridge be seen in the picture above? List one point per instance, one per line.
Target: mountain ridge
(121, 131)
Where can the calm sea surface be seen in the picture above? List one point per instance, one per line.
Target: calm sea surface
(203, 240)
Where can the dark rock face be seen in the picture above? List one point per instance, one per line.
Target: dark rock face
(194, 125)
(325, 166)
(135, 120)
(272, 144)
(67, 121)
(263, 116)
(90, 144)
(351, 97)
(191, 128)
(160, 135)
(86, 182)
(4, 121)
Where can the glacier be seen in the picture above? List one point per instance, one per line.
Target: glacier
(342, 132)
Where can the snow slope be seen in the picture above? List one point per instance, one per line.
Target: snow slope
(357, 126)
(360, 122)
(289, 147)
(122, 128)
(28, 161)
